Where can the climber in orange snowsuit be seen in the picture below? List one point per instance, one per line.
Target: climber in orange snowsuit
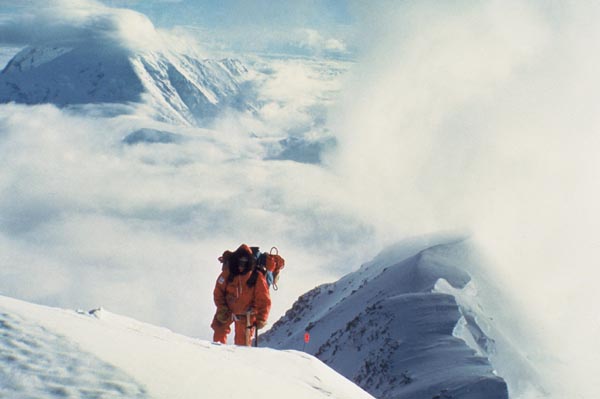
(242, 296)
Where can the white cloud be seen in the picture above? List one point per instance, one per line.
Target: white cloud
(294, 92)
(138, 228)
(484, 116)
(74, 22)
(314, 41)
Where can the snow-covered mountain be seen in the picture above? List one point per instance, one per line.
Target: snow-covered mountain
(421, 320)
(178, 88)
(54, 353)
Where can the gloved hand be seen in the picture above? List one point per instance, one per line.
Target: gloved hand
(260, 324)
(223, 315)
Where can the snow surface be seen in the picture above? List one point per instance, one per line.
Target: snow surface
(412, 324)
(7, 54)
(55, 353)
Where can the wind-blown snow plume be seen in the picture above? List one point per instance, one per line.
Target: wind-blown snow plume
(484, 116)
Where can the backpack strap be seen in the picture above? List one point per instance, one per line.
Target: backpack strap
(253, 278)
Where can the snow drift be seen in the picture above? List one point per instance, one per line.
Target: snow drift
(419, 321)
(55, 353)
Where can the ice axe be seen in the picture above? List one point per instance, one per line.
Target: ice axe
(249, 327)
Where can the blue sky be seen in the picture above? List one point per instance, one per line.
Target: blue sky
(233, 14)
(307, 27)
(304, 26)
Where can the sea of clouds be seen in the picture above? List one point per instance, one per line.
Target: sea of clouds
(480, 117)
(89, 220)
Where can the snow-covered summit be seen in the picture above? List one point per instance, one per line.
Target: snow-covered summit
(416, 322)
(55, 353)
(179, 88)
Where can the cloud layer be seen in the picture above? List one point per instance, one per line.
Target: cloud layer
(137, 228)
(484, 116)
(71, 23)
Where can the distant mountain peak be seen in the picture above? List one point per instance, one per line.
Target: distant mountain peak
(179, 88)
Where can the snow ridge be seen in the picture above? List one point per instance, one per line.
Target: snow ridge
(54, 353)
(389, 329)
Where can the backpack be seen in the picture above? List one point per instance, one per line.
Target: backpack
(268, 263)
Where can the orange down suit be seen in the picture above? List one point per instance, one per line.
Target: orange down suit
(236, 298)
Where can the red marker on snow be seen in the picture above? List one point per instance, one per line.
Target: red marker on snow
(306, 339)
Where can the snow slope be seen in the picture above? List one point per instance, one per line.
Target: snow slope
(412, 323)
(54, 353)
(178, 88)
